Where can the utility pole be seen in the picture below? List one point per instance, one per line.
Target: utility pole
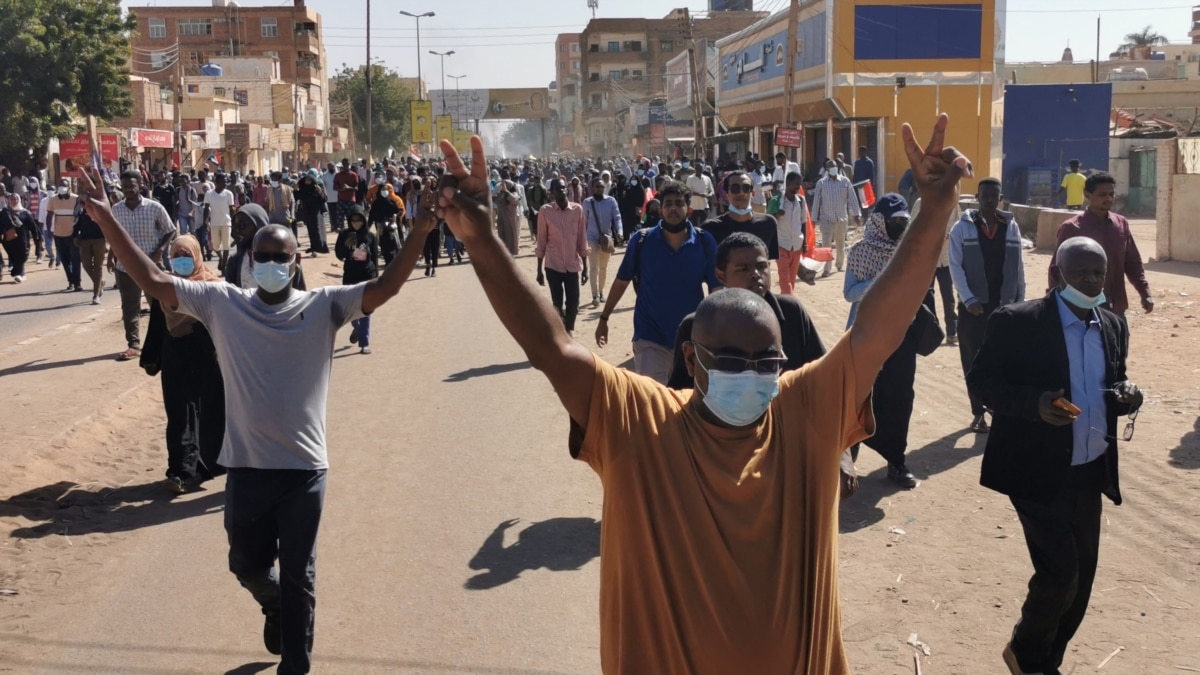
(457, 99)
(789, 77)
(443, 56)
(694, 77)
(370, 129)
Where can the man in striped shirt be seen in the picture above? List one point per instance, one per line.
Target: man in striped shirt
(151, 229)
(563, 245)
(834, 204)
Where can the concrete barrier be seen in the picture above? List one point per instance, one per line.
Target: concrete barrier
(1041, 224)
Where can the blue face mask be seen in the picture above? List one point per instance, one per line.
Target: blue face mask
(686, 164)
(640, 172)
(272, 277)
(739, 399)
(183, 266)
(740, 212)
(1074, 296)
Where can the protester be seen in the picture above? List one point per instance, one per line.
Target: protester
(942, 278)
(604, 230)
(508, 209)
(358, 249)
(794, 231)
(274, 449)
(537, 197)
(64, 208)
(1053, 373)
(988, 273)
(219, 207)
(703, 193)
(180, 349)
(834, 205)
(741, 218)
(147, 224)
(345, 183)
(1071, 190)
(89, 238)
(563, 246)
(17, 229)
(718, 551)
(310, 204)
(238, 271)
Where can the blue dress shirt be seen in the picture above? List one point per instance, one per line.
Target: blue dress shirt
(1085, 351)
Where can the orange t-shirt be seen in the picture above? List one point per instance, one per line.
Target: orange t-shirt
(718, 548)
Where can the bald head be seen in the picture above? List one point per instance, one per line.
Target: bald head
(1081, 263)
(1073, 248)
(725, 318)
(275, 237)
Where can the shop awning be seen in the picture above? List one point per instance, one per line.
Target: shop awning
(742, 135)
(770, 113)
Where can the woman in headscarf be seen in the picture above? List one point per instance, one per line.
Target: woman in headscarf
(310, 196)
(893, 392)
(246, 223)
(507, 206)
(180, 349)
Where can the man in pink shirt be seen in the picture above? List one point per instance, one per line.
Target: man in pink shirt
(563, 248)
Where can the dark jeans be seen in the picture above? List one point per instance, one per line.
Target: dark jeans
(946, 288)
(343, 209)
(316, 233)
(699, 216)
(1063, 537)
(893, 402)
(68, 254)
(18, 253)
(273, 513)
(970, 338)
(433, 244)
(363, 329)
(131, 307)
(564, 285)
(533, 225)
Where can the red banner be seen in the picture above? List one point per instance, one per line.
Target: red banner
(151, 138)
(75, 153)
(788, 138)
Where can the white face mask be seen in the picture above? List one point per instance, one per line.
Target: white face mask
(739, 399)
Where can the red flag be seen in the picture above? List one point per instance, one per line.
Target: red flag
(866, 194)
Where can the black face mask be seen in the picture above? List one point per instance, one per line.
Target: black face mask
(895, 228)
(675, 229)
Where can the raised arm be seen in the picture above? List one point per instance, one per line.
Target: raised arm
(889, 306)
(384, 288)
(147, 275)
(528, 316)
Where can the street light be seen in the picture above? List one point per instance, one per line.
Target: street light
(418, 17)
(457, 99)
(443, 55)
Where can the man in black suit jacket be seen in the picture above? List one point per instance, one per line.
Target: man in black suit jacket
(1053, 373)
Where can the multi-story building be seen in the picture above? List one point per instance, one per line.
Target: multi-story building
(568, 60)
(624, 62)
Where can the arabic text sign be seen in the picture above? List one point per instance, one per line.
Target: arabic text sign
(422, 121)
(75, 153)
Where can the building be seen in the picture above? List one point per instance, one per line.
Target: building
(624, 62)
(566, 73)
(856, 80)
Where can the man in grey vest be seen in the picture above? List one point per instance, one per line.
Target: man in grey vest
(986, 266)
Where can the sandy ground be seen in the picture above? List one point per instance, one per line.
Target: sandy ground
(458, 537)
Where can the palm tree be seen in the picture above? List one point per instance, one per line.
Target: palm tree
(1145, 37)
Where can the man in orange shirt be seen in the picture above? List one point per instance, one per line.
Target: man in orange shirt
(719, 550)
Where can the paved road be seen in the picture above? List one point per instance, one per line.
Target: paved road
(40, 304)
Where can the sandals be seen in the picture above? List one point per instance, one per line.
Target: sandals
(129, 354)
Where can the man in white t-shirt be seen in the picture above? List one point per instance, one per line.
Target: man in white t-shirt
(219, 205)
(702, 192)
(783, 167)
(275, 346)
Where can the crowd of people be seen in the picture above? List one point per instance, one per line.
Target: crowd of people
(733, 405)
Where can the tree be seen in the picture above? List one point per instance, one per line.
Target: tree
(391, 125)
(1145, 37)
(60, 60)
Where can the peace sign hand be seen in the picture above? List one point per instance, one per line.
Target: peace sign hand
(937, 169)
(95, 202)
(464, 200)
(425, 218)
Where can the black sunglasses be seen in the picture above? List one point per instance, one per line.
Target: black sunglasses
(739, 188)
(737, 364)
(283, 258)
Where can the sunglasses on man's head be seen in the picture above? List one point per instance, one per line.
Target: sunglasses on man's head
(282, 257)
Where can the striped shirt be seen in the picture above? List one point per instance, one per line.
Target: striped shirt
(834, 200)
(562, 237)
(147, 225)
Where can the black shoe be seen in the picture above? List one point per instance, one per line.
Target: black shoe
(979, 425)
(353, 336)
(427, 270)
(271, 637)
(175, 484)
(900, 475)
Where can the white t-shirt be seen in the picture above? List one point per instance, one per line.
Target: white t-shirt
(219, 205)
(701, 187)
(781, 173)
(276, 361)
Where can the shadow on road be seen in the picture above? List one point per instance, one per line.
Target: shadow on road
(35, 366)
(250, 668)
(1187, 454)
(862, 510)
(494, 369)
(558, 544)
(65, 509)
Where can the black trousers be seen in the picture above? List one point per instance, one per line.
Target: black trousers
(945, 287)
(194, 400)
(699, 216)
(316, 233)
(433, 244)
(970, 338)
(893, 402)
(533, 224)
(564, 285)
(1063, 537)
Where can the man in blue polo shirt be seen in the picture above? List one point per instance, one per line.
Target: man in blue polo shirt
(669, 264)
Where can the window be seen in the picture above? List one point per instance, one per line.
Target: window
(218, 91)
(595, 100)
(614, 46)
(270, 27)
(614, 74)
(593, 48)
(193, 57)
(637, 74)
(562, 48)
(569, 90)
(195, 27)
(575, 66)
(271, 53)
(158, 28)
(594, 77)
(666, 46)
(575, 48)
(635, 46)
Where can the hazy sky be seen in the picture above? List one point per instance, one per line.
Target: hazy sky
(511, 43)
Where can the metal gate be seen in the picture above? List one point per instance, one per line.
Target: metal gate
(1143, 182)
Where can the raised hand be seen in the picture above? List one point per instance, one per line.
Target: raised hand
(95, 202)
(425, 218)
(938, 168)
(464, 200)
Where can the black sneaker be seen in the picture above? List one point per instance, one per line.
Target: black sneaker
(353, 337)
(175, 484)
(271, 636)
(900, 475)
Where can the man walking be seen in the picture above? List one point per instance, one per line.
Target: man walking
(719, 546)
(562, 243)
(275, 446)
(219, 207)
(65, 208)
(1112, 231)
(702, 193)
(1072, 187)
(794, 233)
(864, 167)
(669, 264)
(604, 229)
(1052, 371)
(186, 204)
(345, 185)
(986, 266)
(146, 223)
(328, 176)
(741, 218)
(537, 198)
(834, 204)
